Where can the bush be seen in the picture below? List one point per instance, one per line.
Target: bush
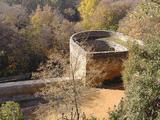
(14, 16)
(19, 54)
(139, 19)
(24, 49)
(141, 79)
(49, 28)
(103, 14)
(141, 74)
(118, 113)
(107, 15)
(86, 10)
(10, 111)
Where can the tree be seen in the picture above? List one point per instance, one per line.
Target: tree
(86, 10)
(52, 29)
(156, 1)
(60, 5)
(141, 78)
(14, 45)
(35, 36)
(42, 18)
(65, 96)
(136, 22)
(10, 111)
(15, 16)
(104, 14)
(108, 14)
(30, 5)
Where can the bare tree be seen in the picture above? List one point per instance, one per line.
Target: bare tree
(67, 95)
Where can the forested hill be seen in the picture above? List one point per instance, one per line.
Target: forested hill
(38, 29)
(34, 39)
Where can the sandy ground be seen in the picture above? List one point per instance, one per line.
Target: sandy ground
(99, 104)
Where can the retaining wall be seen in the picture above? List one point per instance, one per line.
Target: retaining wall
(30, 87)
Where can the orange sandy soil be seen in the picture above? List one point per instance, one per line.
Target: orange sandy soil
(99, 102)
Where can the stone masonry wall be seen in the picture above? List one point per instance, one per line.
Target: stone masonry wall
(96, 66)
(77, 61)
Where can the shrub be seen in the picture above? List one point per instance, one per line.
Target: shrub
(103, 14)
(137, 20)
(24, 49)
(19, 54)
(107, 15)
(118, 113)
(14, 16)
(141, 79)
(86, 10)
(10, 111)
(51, 31)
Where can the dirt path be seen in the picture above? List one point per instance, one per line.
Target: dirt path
(96, 103)
(101, 101)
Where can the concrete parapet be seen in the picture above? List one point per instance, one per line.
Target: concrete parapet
(29, 87)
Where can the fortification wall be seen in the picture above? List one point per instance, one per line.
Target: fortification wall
(99, 65)
(78, 60)
(13, 90)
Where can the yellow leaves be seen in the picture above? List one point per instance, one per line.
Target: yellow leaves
(87, 8)
(42, 17)
(102, 15)
(35, 20)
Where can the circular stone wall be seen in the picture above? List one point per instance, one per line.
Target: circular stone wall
(97, 64)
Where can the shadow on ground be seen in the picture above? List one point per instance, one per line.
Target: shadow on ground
(115, 84)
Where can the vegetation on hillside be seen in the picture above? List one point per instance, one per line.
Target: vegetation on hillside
(34, 36)
(10, 111)
(139, 19)
(39, 29)
(141, 78)
(141, 74)
(103, 14)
